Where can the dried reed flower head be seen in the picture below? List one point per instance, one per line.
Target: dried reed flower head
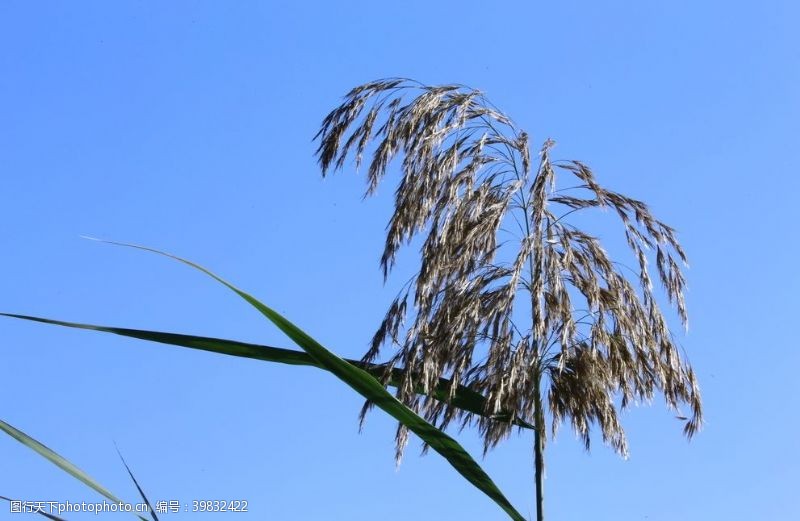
(555, 319)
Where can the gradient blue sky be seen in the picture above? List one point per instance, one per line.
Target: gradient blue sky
(187, 126)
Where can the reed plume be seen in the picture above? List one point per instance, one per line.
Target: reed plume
(510, 299)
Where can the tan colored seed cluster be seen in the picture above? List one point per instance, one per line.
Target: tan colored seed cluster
(495, 309)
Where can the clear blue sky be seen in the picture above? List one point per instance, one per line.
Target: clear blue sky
(187, 126)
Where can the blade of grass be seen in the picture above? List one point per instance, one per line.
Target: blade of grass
(59, 461)
(362, 382)
(141, 492)
(465, 398)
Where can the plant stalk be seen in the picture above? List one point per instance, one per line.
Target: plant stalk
(534, 266)
(538, 448)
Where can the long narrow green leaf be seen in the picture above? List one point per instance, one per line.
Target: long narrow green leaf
(464, 398)
(138, 487)
(370, 388)
(59, 461)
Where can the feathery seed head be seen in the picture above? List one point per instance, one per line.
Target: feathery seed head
(590, 332)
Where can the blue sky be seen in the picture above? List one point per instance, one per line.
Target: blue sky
(187, 126)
